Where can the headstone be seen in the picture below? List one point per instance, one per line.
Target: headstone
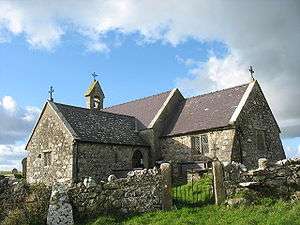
(167, 202)
(219, 190)
(60, 210)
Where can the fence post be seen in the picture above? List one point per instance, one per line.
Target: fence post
(219, 191)
(165, 169)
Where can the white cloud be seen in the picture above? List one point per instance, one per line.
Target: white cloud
(264, 34)
(15, 122)
(8, 103)
(213, 74)
(11, 156)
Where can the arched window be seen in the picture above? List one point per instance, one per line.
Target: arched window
(137, 160)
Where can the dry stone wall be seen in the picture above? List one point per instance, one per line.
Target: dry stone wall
(280, 179)
(140, 191)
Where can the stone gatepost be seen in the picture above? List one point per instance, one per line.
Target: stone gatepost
(219, 190)
(60, 210)
(167, 202)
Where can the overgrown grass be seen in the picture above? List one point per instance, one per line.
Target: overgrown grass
(267, 213)
(194, 193)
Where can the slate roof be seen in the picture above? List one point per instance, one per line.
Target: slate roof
(143, 109)
(208, 111)
(93, 125)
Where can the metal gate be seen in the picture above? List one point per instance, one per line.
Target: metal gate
(198, 191)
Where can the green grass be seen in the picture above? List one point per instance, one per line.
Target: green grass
(264, 214)
(196, 193)
(6, 173)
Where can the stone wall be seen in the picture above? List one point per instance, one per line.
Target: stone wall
(20, 202)
(280, 179)
(98, 161)
(141, 191)
(50, 135)
(178, 148)
(256, 114)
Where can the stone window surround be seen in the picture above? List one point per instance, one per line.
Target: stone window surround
(201, 150)
(47, 161)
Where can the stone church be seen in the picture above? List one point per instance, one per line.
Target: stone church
(69, 143)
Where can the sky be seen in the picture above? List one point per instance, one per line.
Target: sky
(141, 48)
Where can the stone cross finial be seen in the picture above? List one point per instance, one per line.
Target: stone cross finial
(51, 91)
(94, 75)
(251, 72)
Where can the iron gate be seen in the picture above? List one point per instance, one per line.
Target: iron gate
(197, 191)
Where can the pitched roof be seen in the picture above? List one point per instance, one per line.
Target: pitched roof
(94, 86)
(94, 125)
(208, 111)
(143, 109)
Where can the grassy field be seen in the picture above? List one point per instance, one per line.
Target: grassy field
(275, 213)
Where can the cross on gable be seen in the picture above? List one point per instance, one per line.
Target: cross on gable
(94, 75)
(51, 91)
(251, 72)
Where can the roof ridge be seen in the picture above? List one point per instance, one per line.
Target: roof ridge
(139, 99)
(213, 92)
(94, 110)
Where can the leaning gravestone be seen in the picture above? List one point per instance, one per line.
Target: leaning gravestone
(60, 209)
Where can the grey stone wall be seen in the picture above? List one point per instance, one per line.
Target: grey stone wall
(50, 135)
(140, 191)
(178, 149)
(100, 160)
(280, 179)
(256, 114)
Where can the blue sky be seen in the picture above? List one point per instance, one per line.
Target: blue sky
(142, 48)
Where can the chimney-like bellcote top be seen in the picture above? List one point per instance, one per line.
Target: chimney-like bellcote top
(94, 96)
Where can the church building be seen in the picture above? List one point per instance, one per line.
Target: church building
(70, 143)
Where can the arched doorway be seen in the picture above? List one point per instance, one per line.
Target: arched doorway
(137, 160)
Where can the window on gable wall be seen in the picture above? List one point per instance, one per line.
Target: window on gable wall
(260, 140)
(199, 144)
(47, 158)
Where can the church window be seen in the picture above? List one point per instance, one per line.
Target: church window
(47, 158)
(260, 140)
(199, 144)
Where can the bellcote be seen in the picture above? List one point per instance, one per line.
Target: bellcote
(94, 96)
